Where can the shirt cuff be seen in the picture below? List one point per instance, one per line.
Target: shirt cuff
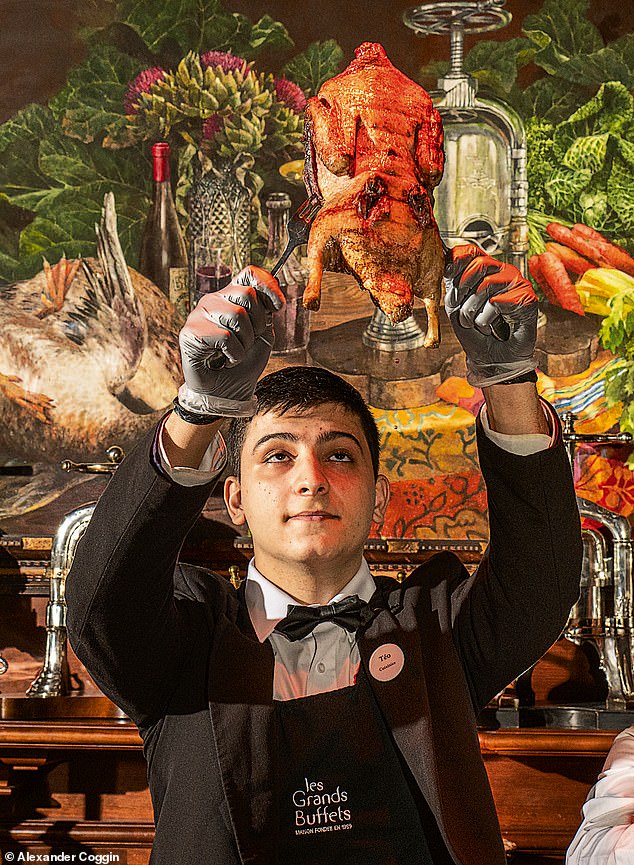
(524, 444)
(212, 463)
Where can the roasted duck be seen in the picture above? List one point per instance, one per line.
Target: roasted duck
(374, 153)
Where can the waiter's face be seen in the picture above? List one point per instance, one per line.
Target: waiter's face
(306, 490)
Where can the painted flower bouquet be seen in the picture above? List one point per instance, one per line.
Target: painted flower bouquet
(218, 107)
(179, 69)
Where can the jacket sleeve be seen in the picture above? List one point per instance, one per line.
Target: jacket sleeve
(606, 833)
(124, 622)
(516, 605)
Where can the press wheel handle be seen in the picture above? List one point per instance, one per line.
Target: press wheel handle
(445, 16)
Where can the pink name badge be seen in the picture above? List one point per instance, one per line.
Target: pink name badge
(386, 662)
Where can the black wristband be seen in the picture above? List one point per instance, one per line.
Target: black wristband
(526, 376)
(193, 417)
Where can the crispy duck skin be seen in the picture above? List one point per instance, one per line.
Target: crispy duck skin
(373, 155)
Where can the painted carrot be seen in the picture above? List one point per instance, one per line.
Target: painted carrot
(613, 254)
(573, 262)
(576, 242)
(535, 270)
(555, 274)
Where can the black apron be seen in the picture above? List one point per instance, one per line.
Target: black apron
(343, 794)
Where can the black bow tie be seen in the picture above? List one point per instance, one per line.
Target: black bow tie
(300, 621)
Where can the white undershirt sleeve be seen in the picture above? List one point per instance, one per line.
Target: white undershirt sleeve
(521, 445)
(212, 463)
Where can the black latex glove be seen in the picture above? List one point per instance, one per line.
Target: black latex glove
(478, 290)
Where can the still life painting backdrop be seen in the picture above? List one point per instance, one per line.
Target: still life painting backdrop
(87, 88)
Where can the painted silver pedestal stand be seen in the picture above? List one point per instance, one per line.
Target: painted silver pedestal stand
(387, 362)
(382, 335)
(53, 679)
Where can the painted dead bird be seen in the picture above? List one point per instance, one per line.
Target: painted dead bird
(88, 356)
(374, 153)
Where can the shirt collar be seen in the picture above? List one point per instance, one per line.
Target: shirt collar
(268, 604)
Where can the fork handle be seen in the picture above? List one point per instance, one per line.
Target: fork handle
(282, 260)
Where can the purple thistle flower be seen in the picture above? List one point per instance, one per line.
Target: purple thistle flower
(211, 126)
(227, 62)
(290, 94)
(141, 84)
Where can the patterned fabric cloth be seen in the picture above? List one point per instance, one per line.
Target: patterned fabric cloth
(429, 455)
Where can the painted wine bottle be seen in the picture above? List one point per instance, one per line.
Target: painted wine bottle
(162, 246)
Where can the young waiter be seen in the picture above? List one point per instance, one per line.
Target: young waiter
(319, 715)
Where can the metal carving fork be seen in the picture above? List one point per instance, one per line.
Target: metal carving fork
(298, 228)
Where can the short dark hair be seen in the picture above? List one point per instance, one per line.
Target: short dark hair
(300, 389)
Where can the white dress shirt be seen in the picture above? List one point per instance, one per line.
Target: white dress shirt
(328, 658)
(606, 834)
(324, 660)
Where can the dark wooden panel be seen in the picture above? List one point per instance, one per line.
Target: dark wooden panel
(81, 785)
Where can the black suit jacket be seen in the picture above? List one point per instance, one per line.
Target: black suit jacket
(174, 647)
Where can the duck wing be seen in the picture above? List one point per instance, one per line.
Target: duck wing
(106, 317)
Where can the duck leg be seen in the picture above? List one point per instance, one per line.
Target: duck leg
(37, 403)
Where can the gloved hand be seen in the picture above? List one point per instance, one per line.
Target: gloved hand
(478, 288)
(225, 344)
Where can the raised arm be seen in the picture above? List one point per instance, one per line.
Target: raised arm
(516, 605)
(514, 608)
(125, 620)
